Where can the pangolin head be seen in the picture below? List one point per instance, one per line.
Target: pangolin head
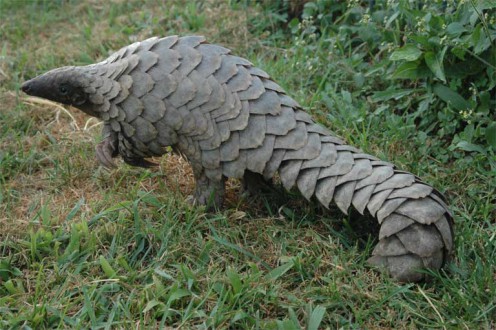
(68, 85)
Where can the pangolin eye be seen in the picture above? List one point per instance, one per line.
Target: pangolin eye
(63, 89)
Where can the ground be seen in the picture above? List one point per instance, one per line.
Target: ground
(84, 247)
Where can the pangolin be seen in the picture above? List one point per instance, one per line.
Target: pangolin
(229, 119)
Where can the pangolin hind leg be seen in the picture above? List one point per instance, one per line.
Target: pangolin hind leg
(208, 192)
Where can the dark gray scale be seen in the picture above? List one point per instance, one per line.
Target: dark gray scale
(420, 240)
(310, 150)
(173, 117)
(217, 97)
(267, 103)
(324, 191)
(145, 45)
(379, 174)
(165, 86)
(228, 69)
(389, 207)
(211, 60)
(361, 197)
(416, 191)
(377, 200)
(211, 159)
(167, 136)
(361, 169)
(294, 139)
(257, 159)
(254, 133)
(241, 121)
(253, 92)
(389, 247)
(270, 85)
(425, 211)
(189, 121)
(132, 107)
(154, 108)
(132, 62)
(185, 91)
(327, 157)
(235, 168)
(241, 81)
(142, 83)
(147, 61)
(343, 195)
(282, 123)
(344, 163)
(204, 90)
(114, 91)
(445, 229)
(273, 164)
(229, 150)
(288, 172)
(396, 181)
(116, 69)
(202, 125)
(307, 182)
(224, 131)
(315, 128)
(165, 65)
(254, 71)
(190, 57)
(145, 131)
(213, 141)
(231, 107)
(394, 223)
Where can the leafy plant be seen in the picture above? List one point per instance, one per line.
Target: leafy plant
(432, 62)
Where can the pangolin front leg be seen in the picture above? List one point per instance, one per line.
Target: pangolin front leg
(106, 150)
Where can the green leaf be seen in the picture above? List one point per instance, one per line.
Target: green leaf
(435, 62)
(164, 274)
(407, 70)
(408, 53)
(109, 271)
(235, 280)
(466, 146)
(455, 29)
(391, 94)
(491, 134)
(239, 249)
(7, 271)
(178, 294)
(287, 325)
(316, 318)
(152, 303)
(423, 40)
(486, 4)
(279, 271)
(75, 210)
(482, 43)
(451, 97)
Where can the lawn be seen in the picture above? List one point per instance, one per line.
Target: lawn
(82, 247)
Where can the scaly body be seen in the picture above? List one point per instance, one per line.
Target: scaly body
(230, 120)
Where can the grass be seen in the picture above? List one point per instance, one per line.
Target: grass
(84, 248)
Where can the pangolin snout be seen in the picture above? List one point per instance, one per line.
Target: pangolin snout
(27, 87)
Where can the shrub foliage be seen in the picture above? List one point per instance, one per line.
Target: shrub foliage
(438, 58)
